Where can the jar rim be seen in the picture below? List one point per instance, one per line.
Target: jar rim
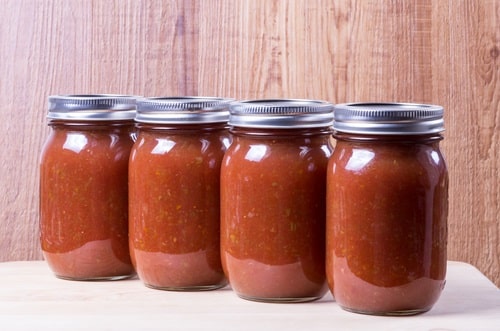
(91, 107)
(281, 113)
(388, 118)
(183, 110)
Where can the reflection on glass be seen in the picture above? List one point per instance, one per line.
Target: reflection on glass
(359, 159)
(256, 153)
(435, 157)
(163, 146)
(75, 142)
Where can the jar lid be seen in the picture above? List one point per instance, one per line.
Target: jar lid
(183, 110)
(281, 113)
(92, 107)
(388, 118)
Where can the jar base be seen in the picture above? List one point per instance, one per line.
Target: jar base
(195, 288)
(404, 312)
(279, 299)
(96, 279)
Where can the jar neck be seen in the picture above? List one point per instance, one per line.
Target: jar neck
(371, 138)
(181, 128)
(289, 132)
(90, 125)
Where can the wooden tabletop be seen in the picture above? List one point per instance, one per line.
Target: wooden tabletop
(31, 298)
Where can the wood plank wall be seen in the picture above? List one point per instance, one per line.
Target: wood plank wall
(443, 52)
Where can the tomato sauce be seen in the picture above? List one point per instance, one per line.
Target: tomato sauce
(273, 187)
(84, 199)
(174, 181)
(387, 208)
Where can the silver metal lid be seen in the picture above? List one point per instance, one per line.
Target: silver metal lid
(92, 107)
(281, 113)
(183, 110)
(388, 118)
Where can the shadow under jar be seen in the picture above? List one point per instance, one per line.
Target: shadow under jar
(174, 183)
(387, 207)
(273, 188)
(83, 187)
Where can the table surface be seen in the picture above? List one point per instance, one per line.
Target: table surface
(31, 298)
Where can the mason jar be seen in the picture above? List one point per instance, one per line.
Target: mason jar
(174, 183)
(387, 207)
(83, 186)
(273, 191)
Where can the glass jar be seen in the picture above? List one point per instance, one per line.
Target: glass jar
(174, 182)
(83, 186)
(387, 207)
(273, 187)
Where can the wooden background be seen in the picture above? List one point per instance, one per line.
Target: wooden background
(443, 52)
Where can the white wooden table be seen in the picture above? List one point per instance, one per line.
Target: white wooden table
(31, 298)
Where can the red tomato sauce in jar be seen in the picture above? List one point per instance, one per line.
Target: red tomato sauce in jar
(83, 187)
(174, 180)
(387, 205)
(273, 187)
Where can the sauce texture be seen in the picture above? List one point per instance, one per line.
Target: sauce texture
(84, 201)
(174, 180)
(387, 224)
(273, 215)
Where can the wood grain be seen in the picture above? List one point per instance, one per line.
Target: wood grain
(442, 52)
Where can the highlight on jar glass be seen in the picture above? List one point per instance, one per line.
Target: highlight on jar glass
(387, 208)
(174, 183)
(273, 191)
(83, 186)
